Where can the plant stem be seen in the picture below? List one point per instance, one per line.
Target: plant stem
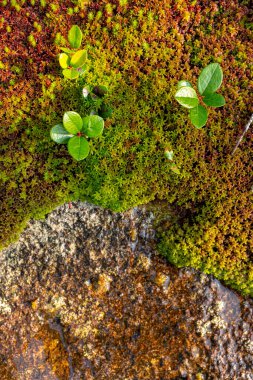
(245, 130)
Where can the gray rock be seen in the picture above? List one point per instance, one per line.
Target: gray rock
(84, 295)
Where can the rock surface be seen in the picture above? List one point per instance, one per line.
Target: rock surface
(84, 295)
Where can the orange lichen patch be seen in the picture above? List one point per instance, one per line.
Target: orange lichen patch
(34, 304)
(103, 285)
(131, 330)
(162, 280)
(5, 372)
(53, 349)
(139, 50)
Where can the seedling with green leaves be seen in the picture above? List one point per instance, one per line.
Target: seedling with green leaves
(75, 131)
(209, 81)
(72, 61)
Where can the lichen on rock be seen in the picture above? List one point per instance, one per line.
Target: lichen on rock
(86, 303)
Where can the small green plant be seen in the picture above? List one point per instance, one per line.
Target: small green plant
(75, 131)
(209, 82)
(72, 61)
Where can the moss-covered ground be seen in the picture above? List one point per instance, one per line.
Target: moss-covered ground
(139, 50)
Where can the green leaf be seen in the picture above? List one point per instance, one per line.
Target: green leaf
(64, 60)
(214, 100)
(59, 134)
(70, 73)
(93, 125)
(72, 122)
(82, 70)
(75, 37)
(78, 147)
(198, 116)
(183, 83)
(174, 168)
(78, 59)
(210, 79)
(187, 97)
(169, 154)
(66, 50)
